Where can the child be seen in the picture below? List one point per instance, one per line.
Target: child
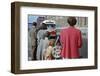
(48, 52)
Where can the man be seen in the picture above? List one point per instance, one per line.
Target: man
(32, 34)
(71, 40)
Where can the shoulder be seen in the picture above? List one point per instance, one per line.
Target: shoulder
(49, 48)
(33, 27)
(78, 30)
(40, 31)
(64, 29)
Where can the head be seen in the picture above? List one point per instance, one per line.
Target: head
(51, 42)
(43, 26)
(72, 21)
(34, 24)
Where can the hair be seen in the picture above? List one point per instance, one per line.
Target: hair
(72, 21)
(34, 24)
(43, 26)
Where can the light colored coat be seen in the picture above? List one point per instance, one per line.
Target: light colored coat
(31, 42)
(32, 34)
(42, 43)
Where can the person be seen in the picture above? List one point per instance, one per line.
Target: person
(48, 51)
(32, 37)
(47, 54)
(40, 40)
(45, 44)
(47, 29)
(71, 40)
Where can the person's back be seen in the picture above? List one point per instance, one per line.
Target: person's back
(71, 41)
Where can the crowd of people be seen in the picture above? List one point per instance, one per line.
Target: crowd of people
(46, 44)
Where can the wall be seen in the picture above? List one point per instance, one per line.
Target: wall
(5, 35)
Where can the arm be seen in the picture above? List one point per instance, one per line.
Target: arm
(79, 40)
(61, 37)
(38, 37)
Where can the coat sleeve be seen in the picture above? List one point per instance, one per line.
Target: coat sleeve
(61, 37)
(38, 37)
(79, 40)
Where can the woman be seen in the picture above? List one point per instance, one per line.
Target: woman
(40, 41)
(71, 40)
